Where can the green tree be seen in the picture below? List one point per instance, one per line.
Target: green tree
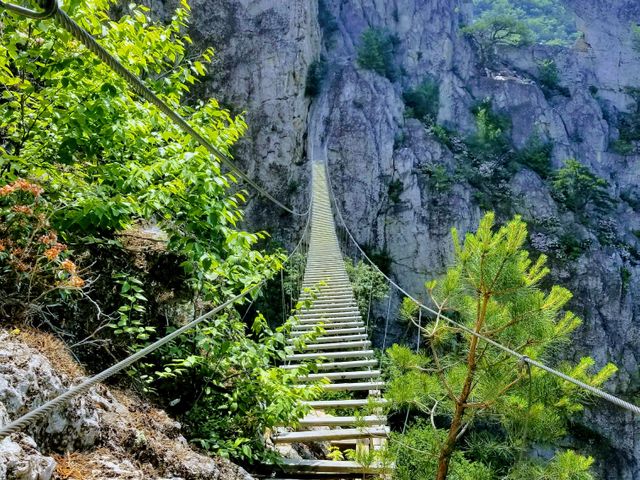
(368, 284)
(577, 187)
(550, 22)
(491, 399)
(493, 31)
(376, 50)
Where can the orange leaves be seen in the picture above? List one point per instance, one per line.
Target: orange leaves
(21, 185)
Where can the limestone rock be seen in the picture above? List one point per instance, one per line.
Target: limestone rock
(100, 434)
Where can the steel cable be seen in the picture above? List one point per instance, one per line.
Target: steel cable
(585, 386)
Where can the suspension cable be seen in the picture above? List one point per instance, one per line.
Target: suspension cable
(523, 358)
(52, 9)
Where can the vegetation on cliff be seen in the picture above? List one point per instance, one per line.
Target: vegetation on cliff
(116, 227)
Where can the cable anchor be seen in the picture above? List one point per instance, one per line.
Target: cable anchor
(50, 7)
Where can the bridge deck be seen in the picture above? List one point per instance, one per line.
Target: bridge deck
(343, 356)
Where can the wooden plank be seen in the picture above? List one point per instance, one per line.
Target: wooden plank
(352, 387)
(338, 345)
(323, 404)
(331, 339)
(347, 354)
(332, 434)
(337, 365)
(331, 421)
(351, 375)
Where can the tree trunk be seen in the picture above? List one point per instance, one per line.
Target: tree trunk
(456, 422)
(450, 443)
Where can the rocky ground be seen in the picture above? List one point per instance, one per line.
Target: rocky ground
(104, 434)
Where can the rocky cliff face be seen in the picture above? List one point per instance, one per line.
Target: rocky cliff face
(99, 435)
(381, 163)
(263, 51)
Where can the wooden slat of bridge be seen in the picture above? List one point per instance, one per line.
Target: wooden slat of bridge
(343, 355)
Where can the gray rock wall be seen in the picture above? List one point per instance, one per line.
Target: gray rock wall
(118, 437)
(263, 51)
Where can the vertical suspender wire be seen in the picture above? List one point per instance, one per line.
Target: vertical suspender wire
(386, 322)
(369, 304)
(419, 329)
(406, 418)
(284, 302)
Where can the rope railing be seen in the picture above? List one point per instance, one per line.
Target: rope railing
(522, 358)
(52, 10)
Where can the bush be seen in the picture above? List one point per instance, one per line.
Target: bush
(622, 147)
(36, 270)
(549, 78)
(576, 187)
(491, 129)
(396, 187)
(629, 123)
(635, 37)
(548, 74)
(315, 76)
(376, 50)
(440, 181)
(443, 135)
(536, 155)
(368, 284)
(416, 456)
(423, 101)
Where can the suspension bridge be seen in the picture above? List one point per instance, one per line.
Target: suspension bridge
(342, 355)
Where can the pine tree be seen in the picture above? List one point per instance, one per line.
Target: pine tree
(491, 398)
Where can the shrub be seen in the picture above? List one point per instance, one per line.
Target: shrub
(396, 187)
(625, 277)
(36, 270)
(368, 284)
(440, 181)
(491, 129)
(536, 155)
(622, 147)
(635, 37)
(549, 78)
(576, 187)
(423, 101)
(548, 74)
(444, 136)
(629, 123)
(376, 50)
(315, 76)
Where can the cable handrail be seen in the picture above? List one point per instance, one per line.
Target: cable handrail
(52, 9)
(523, 358)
